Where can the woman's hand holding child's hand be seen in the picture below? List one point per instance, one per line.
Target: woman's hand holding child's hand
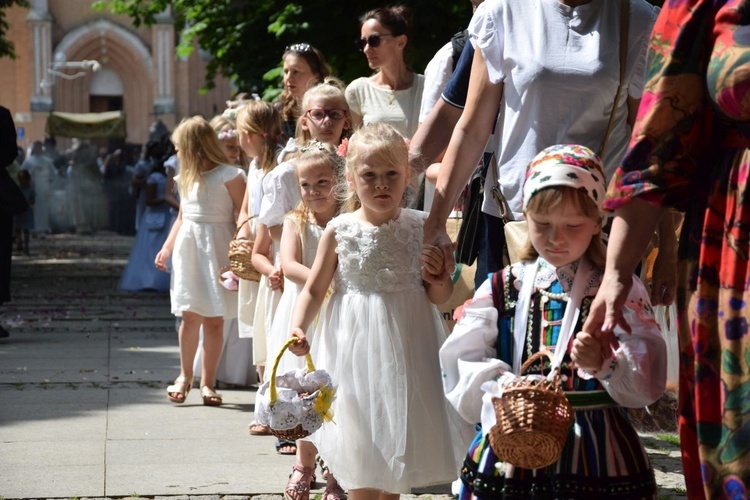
(587, 352)
(432, 261)
(301, 347)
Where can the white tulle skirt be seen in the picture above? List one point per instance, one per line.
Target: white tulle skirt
(393, 430)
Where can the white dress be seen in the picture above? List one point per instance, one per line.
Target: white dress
(380, 343)
(247, 294)
(202, 246)
(282, 320)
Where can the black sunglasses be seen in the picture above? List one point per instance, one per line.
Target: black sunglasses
(372, 40)
(298, 47)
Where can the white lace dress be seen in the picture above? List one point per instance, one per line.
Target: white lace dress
(282, 320)
(380, 343)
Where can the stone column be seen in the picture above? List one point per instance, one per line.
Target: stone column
(163, 49)
(39, 21)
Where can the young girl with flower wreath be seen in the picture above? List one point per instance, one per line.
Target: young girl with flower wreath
(540, 304)
(382, 331)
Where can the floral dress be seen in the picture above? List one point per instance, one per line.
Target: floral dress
(380, 343)
(602, 456)
(689, 150)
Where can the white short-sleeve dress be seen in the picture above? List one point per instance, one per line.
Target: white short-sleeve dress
(202, 246)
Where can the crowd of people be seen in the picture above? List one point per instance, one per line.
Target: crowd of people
(549, 101)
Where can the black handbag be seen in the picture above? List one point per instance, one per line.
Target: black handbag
(12, 200)
(467, 242)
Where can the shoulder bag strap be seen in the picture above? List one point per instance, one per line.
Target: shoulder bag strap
(624, 28)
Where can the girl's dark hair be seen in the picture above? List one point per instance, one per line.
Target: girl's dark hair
(398, 19)
(290, 107)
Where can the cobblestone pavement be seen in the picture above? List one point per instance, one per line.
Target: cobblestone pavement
(68, 285)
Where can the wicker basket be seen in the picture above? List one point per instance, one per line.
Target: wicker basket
(533, 419)
(241, 256)
(307, 401)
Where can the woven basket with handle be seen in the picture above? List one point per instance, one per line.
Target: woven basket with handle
(533, 419)
(240, 256)
(297, 432)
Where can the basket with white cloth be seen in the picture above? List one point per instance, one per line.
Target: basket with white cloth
(297, 403)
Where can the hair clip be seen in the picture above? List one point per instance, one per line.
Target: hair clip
(298, 47)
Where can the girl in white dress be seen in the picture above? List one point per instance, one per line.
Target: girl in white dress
(259, 131)
(236, 364)
(210, 195)
(382, 332)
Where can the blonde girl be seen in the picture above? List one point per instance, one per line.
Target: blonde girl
(318, 169)
(259, 132)
(382, 331)
(210, 196)
(226, 131)
(542, 303)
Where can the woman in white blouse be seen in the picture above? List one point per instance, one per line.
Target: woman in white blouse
(394, 93)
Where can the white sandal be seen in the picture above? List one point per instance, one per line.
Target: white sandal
(180, 387)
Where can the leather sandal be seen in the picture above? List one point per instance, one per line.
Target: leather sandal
(181, 388)
(334, 492)
(299, 489)
(210, 397)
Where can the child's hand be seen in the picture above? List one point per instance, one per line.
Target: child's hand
(587, 352)
(433, 262)
(276, 280)
(301, 347)
(161, 259)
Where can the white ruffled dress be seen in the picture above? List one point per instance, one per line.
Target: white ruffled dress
(393, 430)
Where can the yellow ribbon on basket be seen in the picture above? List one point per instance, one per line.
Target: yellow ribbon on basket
(322, 404)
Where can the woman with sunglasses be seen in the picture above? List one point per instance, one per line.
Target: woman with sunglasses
(394, 93)
(304, 66)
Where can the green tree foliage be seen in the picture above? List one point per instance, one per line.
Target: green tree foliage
(247, 38)
(7, 49)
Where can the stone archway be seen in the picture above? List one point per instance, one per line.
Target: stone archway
(117, 50)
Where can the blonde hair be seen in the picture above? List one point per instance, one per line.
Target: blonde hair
(261, 117)
(224, 125)
(378, 143)
(331, 88)
(323, 154)
(551, 199)
(196, 141)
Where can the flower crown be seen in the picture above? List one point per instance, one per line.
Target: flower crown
(227, 134)
(314, 146)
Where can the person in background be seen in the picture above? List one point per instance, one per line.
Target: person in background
(393, 93)
(23, 223)
(304, 66)
(43, 175)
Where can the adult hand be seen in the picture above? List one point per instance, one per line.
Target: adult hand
(606, 310)
(301, 347)
(435, 235)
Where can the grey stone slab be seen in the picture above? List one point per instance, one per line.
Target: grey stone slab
(57, 453)
(51, 481)
(32, 423)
